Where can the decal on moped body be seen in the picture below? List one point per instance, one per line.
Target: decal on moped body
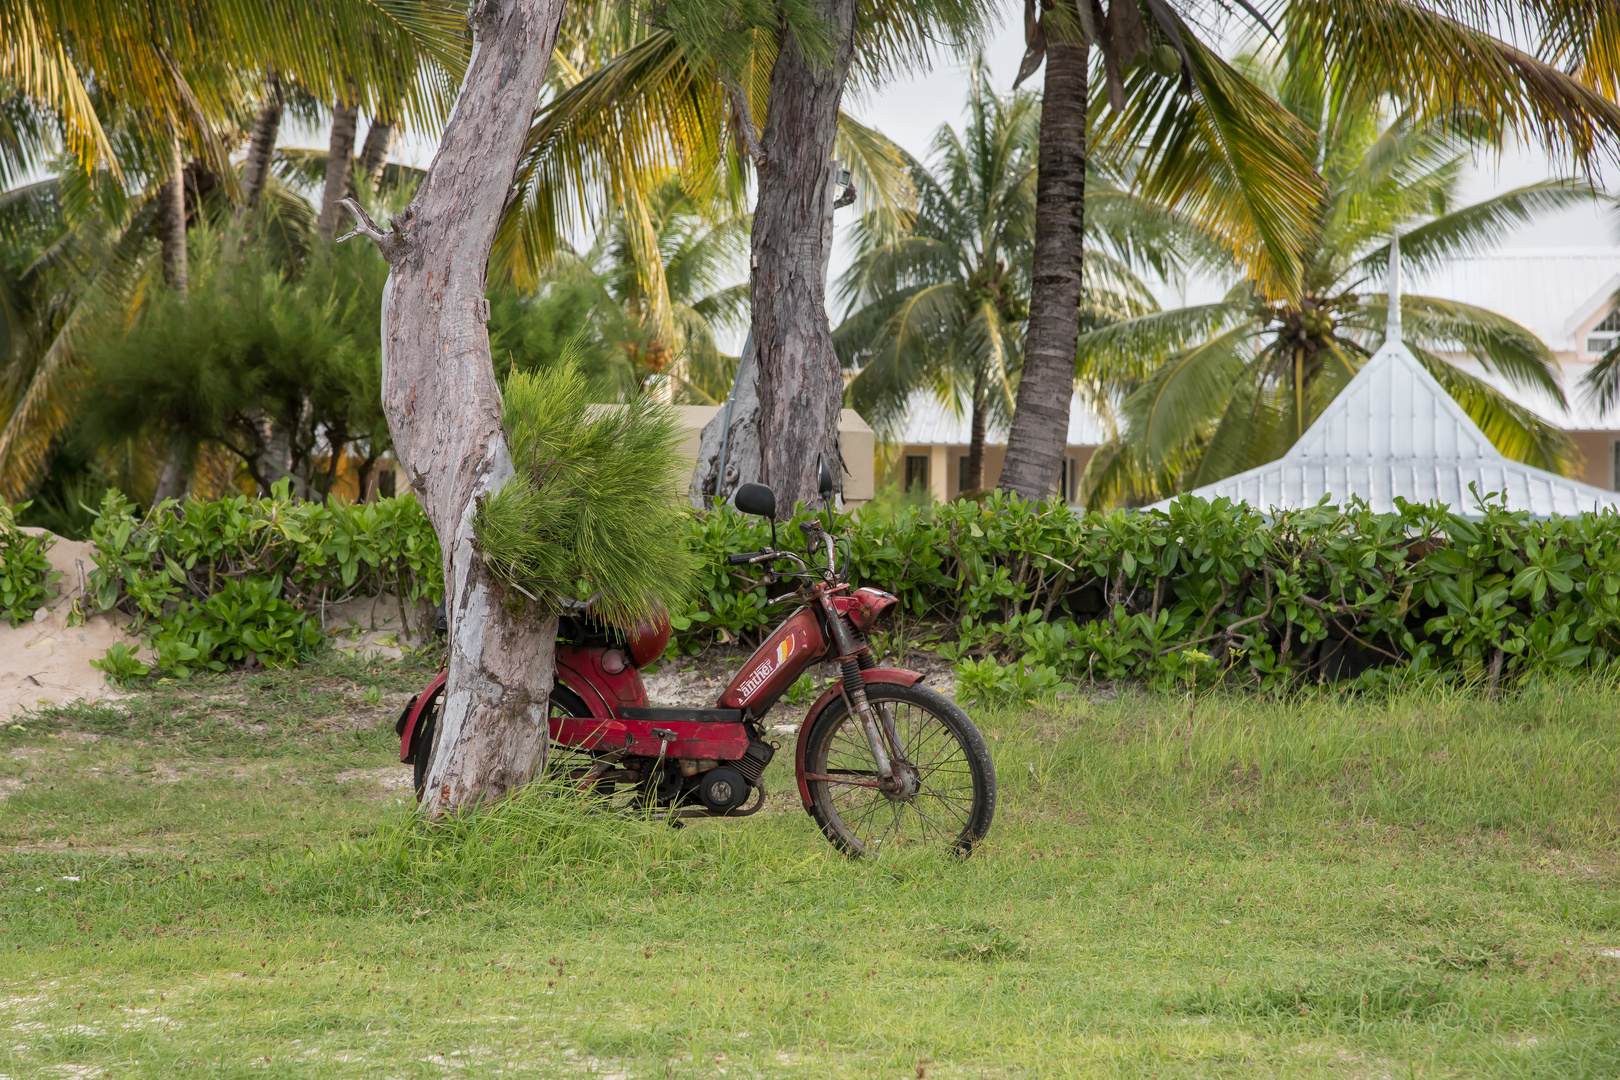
(757, 677)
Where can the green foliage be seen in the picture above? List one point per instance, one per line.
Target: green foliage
(1212, 592)
(121, 664)
(594, 504)
(987, 681)
(25, 573)
(246, 620)
(236, 581)
(253, 341)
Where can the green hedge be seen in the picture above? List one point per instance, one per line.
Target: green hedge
(1020, 595)
(1034, 594)
(240, 580)
(26, 578)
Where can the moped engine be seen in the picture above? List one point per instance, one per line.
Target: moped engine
(722, 789)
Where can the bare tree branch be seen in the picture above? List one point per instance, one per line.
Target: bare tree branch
(387, 242)
(739, 101)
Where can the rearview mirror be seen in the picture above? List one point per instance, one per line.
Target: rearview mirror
(756, 499)
(824, 478)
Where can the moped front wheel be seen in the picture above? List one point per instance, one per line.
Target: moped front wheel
(948, 798)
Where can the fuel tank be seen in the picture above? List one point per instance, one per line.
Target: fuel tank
(775, 665)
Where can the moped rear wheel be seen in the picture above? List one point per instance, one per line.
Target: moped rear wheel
(953, 781)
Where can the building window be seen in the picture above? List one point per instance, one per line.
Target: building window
(1614, 464)
(916, 473)
(964, 481)
(385, 484)
(1600, 339)
(1069, 484)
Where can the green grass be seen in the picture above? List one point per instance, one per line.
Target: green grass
(1418, 887)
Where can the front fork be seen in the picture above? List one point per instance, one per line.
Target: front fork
(878, 725)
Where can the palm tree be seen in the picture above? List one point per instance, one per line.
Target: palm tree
(1205, 137)
(691, 283)
(938, 298)
(1218, 388)
(145, 99)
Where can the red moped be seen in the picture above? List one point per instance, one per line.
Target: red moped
(881, 760)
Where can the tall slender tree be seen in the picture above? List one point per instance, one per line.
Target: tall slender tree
(444, 408)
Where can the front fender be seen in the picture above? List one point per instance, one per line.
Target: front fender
(897, 676)
(406, 727)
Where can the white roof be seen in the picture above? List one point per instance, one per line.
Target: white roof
(1553, 291)
(1395, 431)
(1392, 432)
(930, 422)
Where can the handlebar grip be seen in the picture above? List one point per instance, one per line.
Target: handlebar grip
(741, 557)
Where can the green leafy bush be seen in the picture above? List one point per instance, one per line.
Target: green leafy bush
(26, 578)
(1031, 592)
(238, 580)
(121, 664)
(1020, 595)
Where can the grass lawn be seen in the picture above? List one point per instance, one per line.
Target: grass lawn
(221, 880)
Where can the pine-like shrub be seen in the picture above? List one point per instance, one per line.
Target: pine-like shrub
(594, 505)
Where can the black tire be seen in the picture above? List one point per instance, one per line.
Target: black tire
(956, 793)
(427, 729)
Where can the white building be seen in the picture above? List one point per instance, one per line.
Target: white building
(1566, 296)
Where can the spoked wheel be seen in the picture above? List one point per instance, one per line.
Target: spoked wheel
(950, 796)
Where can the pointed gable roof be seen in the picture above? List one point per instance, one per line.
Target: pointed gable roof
(1394, 431)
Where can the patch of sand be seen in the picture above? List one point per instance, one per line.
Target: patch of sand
(376, 626)
(46, 661)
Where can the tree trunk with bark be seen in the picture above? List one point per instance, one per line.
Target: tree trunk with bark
(975, 457)
(339, 160)
(380, 138)
(1040, 425)
(742, 449)
(262, 142)
(172, 220)
(176, 475)
(444, 407)
(797, 378)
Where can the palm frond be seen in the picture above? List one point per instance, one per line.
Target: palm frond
(1229, 155)
(1495, 340)
(1419, 55)
(1480, 227)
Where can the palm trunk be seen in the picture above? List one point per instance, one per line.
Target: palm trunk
(339, 160)
(176, 475)
(976, 436)
(1041, 420)
(172, 220)
(262, 143)
(373, 156)
(800, 387)
(364, 474)
(444, 408)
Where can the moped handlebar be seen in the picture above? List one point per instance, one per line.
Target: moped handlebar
(741, 557)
